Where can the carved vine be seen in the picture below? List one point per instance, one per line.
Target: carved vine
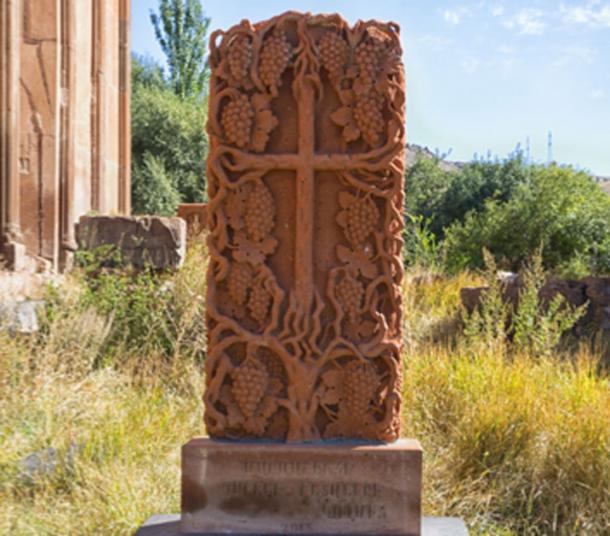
(279, 367)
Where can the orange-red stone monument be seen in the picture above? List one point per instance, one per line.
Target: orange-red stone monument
(303, 374)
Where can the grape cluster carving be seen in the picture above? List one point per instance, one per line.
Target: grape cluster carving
(334, 53)
(350, 293)
(237, 119)
(368, 57)
(360, 384)
(239, 57)
(250, 382)
(275, 57)
(362, 216)
(259, 213)
(272, 363)
(240, 280)
(259, 302)
(369, 118)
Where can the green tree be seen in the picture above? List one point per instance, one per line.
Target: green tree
(181, 29)
(146, 72)
(426, 186)
(561, 210)
(443, 197)
(169, 143)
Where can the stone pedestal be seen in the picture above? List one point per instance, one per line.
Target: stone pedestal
(169, 525)
(316, 488)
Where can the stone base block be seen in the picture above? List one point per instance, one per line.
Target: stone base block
(316, 488)
(169, 525)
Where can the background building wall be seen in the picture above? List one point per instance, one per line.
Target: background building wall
(69, 119)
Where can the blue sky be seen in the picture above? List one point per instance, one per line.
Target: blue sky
(482, 75)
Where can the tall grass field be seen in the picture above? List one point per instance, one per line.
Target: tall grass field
(94, 409)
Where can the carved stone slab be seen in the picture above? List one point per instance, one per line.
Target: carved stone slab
(250, 488)
(137, 241)
(305, 178)
(195, 215)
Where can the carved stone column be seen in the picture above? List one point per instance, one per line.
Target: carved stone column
(11, 245)
(97, 105)
(124, 107)
(67, 164)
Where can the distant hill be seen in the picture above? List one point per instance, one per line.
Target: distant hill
(414, 151)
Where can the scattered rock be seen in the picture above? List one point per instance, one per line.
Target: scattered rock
(21, 317)
(593, 291)
(45, 462)
(140, 241)
(598, 290)
(573, 291)
(471, 297)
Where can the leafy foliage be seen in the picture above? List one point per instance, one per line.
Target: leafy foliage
(169, 144)
(443, 196)
(538, 327)
(181, 29)
(422, 249)
(560, 208)
(146, 72)
(535, 328)
(148, 311)
(153, 190)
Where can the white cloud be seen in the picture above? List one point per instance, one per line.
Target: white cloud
(590, 13)
(528, 21)
(496, 10)
(470, 64)
(434, 42)
(597, 94)
(575, 54)
(452, 16)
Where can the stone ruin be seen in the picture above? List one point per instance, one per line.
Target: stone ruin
(305, 187)
(591, 292)
(64, 123)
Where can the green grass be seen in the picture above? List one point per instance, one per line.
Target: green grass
(514, 443)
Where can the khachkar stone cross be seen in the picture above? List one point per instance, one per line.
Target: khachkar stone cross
(305, 178)
(305, 188)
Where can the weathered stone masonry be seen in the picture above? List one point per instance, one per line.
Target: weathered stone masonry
(64, 122)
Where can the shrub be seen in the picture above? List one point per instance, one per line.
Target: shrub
(422, 249)
(562, 209)
(148, 313)
(534, 328)
(153, 188)
(443, 197)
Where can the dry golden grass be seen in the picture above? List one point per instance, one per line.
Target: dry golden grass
(515, 445)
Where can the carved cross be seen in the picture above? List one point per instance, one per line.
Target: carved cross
(306, 162)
